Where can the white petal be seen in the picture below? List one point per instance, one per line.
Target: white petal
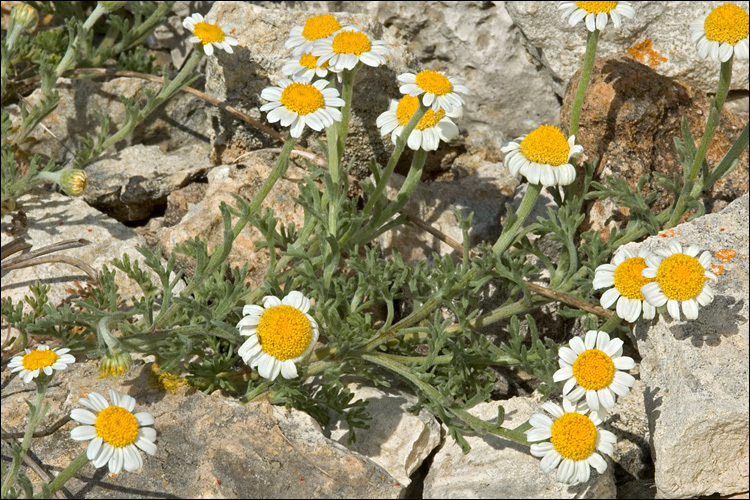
(83, 433)
(144, 418)
(550, 461)
(83, 416)
(117, 461)
(94, 448)
(673, 308)
(609, 297)
(132, 459)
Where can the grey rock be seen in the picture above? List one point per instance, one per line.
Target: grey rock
(207, 446)
(696, 372)
(130, 184)
(473, 41)
(559, 48)
(397, 440)
(179, 122)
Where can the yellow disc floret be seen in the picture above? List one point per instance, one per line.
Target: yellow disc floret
(680, 277)
(39, 359)
(309, 61)
(320, 27)
(596, 7)
(546, 145)
(116, 426)
(628, 279)
(351, 42)
(433, 82)
(284, 332)
(574, 436)
(408, 105)
(593, 370)
(208, 33)
(727, 23)
(302, 98)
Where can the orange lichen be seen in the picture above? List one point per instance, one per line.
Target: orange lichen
(725, 255)
(644, 53)
(716, 269)
(668, 233)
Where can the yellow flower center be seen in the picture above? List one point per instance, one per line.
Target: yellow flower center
(433, 82)
(680, 277)
(574, 436)
(309, 61)
(727, 23)
(546, 145)
(208, 33)
(320, 27)
(408, 105)
(593, 370)
(302, 98)
(116, 426)
(628, 279)
(284, 332)
(39, 359)
(351, 42)
(596, 7)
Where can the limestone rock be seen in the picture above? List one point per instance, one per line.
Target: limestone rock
(473, 41)
(133, 183)
(80, 99)
(630, 117)
(397, 440)
(207, 446)
(658, 35)
(479, 186)
(696, 372)
(497, 468)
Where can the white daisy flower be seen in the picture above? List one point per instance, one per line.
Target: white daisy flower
(281, 334)
(41, 359)
(301, 38)
(430, 130)
(305, 66)
(569, 442)
(722, 33)
(114, 431)
(592, 365)
(298, 103)
(543, 156)
(682, 279)
(439, 91)
(596, 13)
(208, 34)
(623, 275)
(348, 47)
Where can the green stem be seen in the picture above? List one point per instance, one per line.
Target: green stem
(35, 417)
(66, 474)
(347, 87)
(397, 150)
(509, 233)
(70, 54)
(583, 82)
(725, 78)
(173, 87)
(430, 392)
(610, 324)
(218, 256)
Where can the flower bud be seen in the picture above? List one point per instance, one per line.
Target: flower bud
(73, 182)
(114, 364)
(24, 17)
(112, 6)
